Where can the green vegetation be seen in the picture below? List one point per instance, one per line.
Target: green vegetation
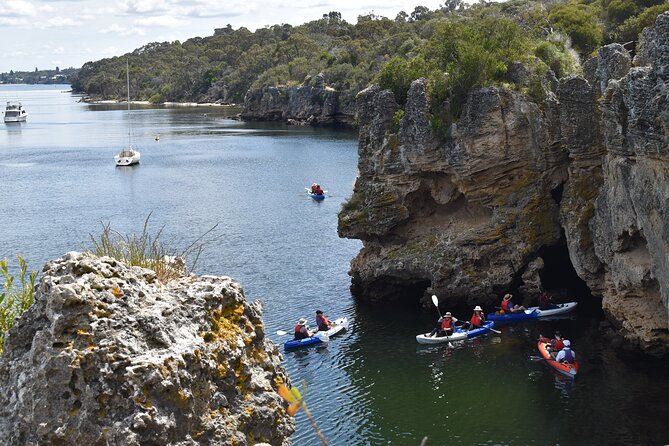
(148, 251)
(56, 76)
(14, 300)
(456, 48)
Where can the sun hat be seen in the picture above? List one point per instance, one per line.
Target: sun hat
(448, 313)
(478, 308)
(567, 343)
(302, 321)
(507, 297)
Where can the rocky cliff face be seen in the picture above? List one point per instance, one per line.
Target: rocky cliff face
(472, 216)
(108, 355)
(311, 104)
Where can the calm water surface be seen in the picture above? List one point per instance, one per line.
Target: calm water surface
(371, 386)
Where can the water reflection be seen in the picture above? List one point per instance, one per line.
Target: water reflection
(14, 128)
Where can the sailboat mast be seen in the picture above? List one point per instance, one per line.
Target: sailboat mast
(127, 80)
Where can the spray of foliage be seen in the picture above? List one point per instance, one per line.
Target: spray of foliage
(16, 297)
(148, 251)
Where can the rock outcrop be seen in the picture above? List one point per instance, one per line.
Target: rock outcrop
(109, 355)
(313, 103)
(470, 215)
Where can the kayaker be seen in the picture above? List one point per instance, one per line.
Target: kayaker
(566, 355)
(509, 307)
(302, 330)
(322, 322)
(476, 321)
(553, 345)
(546, 301)
(318, 190)
(445, 325)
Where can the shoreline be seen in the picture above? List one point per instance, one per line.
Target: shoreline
(166, 104)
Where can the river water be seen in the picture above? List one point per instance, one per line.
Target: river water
(371, 386)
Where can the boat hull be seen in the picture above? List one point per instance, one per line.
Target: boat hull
(458, 335)
(533, 313)
(569, 370)
(317, 197)
(127, 160)
(340, 326)
(16, 118)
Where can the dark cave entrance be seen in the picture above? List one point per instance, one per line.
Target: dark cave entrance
(558, 275)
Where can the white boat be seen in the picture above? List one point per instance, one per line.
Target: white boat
(128, 156)
(15, 112)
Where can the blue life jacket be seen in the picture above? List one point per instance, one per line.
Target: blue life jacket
(568, 357)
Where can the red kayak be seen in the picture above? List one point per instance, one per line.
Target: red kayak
(569, 370)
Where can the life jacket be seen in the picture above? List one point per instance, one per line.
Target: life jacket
(507, 305)
(557, 345)
(476, 320)
(298, 332)
(321, 321)
(568, 357)
(447, 323)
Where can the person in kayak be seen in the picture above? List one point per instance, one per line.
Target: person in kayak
(302, 330)
(322, 322)
(476, 321)
(546, 301)
(445, 326)
(554, 345)
(316, 189)
(566, 355)
(509, 307)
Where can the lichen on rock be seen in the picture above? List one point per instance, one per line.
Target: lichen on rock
(109, 355)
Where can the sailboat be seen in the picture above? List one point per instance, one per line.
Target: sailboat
(127, 156)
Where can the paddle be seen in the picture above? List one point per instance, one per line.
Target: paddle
(435, 301)
(540, 358)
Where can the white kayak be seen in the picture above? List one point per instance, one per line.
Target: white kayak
(458, 335)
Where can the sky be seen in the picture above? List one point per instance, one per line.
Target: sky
(46, 34)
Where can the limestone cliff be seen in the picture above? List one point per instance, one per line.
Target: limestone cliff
(313, 103)
(108, 355)
(470, 216)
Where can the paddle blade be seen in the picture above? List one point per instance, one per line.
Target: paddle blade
(435, 300)
(323, 337)
(537, 358)
(281, 333)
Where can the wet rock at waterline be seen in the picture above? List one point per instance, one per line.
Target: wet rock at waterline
(472, 213)
(109, 355)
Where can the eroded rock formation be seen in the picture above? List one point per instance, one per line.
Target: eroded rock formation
(469, 215)
(313, 103)
(109, 355)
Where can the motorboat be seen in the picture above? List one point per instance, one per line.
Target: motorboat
(15, 112)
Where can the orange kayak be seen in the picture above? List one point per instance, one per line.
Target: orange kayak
(569, 370)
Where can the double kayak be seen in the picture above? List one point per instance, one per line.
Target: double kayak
(339, 326)
(316, 196)
(458, 335)
(563, 368)
(532, 313)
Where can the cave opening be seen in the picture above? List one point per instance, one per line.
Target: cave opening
(402, 293)
(558, 275)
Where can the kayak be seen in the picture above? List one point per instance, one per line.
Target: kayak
(458, 335)
(532, 313)
(563, 368)
(317, 196)
(340, 326)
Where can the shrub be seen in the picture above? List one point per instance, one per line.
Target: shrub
(148, 251)
(14, 300)
(581, 23)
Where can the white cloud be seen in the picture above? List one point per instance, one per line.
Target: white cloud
(109, 50)
(13, 21)
(14, 8)
(161, 20)
(122, 31)
(57, 22)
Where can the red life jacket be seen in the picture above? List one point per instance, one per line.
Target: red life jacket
(476, 320)
(447, 323)
(298, 329)
(322, 320)
(558, 345)
(506, 305)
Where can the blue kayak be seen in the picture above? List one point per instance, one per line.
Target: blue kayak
(458, 335)
(532, 313)
(317, 196)
(339, 326)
